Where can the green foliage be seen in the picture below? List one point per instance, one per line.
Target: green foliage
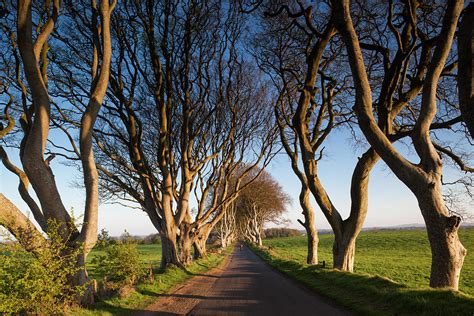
(147, 293)
(391, 273)
(103, 239)
(148, 255)
(38, 284)
(120, 263)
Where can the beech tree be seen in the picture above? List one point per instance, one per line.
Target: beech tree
(302, 51)
(184, 111)
(302, 65)
(25, 81)
(424, 179)
(261, 202)
(227, 227)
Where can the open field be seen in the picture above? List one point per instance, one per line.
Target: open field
(391, 273)
(402, 256)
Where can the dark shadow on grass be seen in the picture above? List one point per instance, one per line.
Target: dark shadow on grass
(371, 294)
(115, 310)
(128, 311)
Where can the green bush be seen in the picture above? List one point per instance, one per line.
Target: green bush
(103, 239)
(38, 284)
(120, 264)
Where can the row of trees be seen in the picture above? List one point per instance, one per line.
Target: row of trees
(168, 104)
(183, 118)
(394, 62)
(156, 100)
(263, 201)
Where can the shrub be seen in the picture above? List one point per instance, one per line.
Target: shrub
(38, 284)
(120, 264)
(103, 239)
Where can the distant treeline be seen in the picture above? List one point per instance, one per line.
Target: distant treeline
(281, 232)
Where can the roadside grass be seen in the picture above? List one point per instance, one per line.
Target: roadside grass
(149, 292)
(391, 273)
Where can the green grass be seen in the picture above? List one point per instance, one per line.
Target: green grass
(391, 273)
(149, 255)
(147, 293)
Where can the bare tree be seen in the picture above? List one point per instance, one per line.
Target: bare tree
(300, 53)
(307, 111)
(227, 227)
(466, 67)
(36, 120)
(424, 178)
(184, 110)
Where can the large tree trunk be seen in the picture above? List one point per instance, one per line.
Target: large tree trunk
(313, 242)
(169, 249)
(345, 238)
(424, 179)
(200, 249)
(446, 249)
(258, 238)
(343, 252)
(20, 226)
(186, 241)
(224, 240)
(309, 225)
(227, 239)
(186, 245)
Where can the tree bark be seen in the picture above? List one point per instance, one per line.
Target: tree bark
(258, 238)
(344, 242)
(424, 179)
(343, 252)
(313, 242)
(309, 225)
(446, 249)
(200, 249)
(169, 248)
(81, 278)
(19, 225)
(185, 244)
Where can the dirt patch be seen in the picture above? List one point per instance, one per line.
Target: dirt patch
(184, 297)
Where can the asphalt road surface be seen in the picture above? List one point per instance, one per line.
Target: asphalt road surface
(244, 286)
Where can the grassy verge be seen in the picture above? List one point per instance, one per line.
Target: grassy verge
(368, 293)
(147, 293)
(403, 256)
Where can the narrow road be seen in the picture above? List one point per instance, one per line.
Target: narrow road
(244, 286)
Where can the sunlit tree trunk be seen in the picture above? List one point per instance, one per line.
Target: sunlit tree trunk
(169, 248)
(309, 225)
(423, 179)
(200, 249)
(37, 171)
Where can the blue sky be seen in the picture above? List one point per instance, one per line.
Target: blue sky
(390, 202)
